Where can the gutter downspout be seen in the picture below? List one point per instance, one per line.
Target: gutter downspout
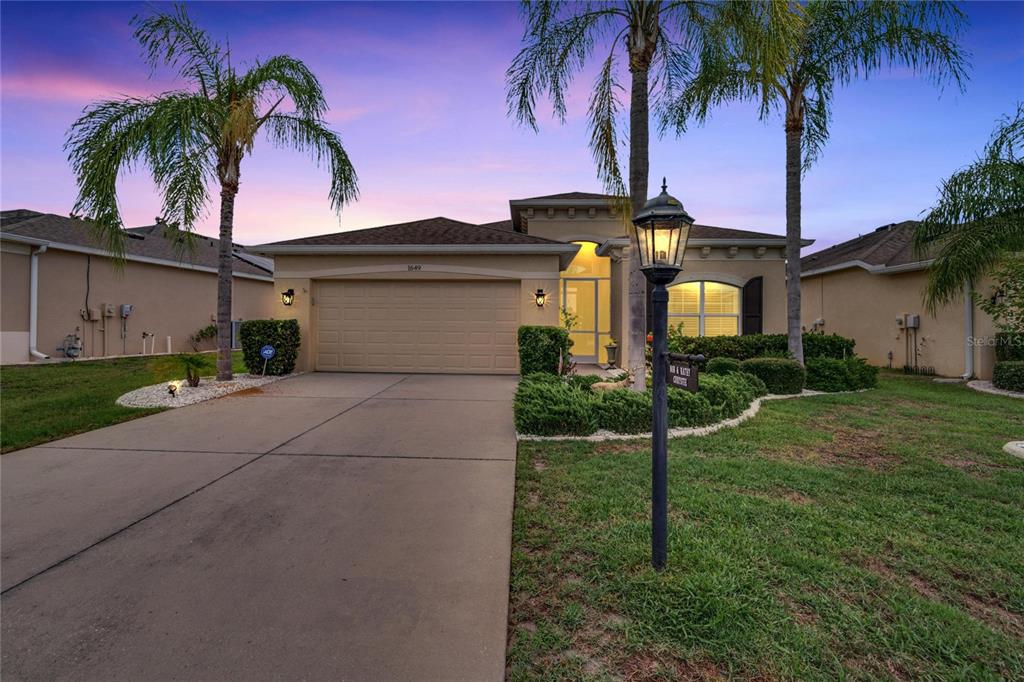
(968, 332)
(33, 303)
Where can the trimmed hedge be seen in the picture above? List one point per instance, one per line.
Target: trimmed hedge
(547, 405)
(759, 345)
(722, 365)
(779, 375)
(756, 384)
(828, 374)
(1009, 346)
(283, 335)
(543, 349)
(1009, 375)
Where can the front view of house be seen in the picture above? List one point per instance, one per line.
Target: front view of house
(441, 295)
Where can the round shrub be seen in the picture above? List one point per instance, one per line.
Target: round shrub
(728, 394)
(552, 408)
(686, 409)
(755, 383)
(780, 376)
(623, 411)
(583, 382)
(722, 365)
(1009, 375)
(827, 374)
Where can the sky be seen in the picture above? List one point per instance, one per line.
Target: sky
(417, 93)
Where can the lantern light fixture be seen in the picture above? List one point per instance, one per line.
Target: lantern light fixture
(662, 229)
(540, 297)
(288, 297)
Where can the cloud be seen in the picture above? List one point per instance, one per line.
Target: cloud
(71, 87)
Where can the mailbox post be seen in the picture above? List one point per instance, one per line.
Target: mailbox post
(662, 228)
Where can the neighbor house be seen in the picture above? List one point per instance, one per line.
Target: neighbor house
(442, 295)
(64, 297)
(871, 289)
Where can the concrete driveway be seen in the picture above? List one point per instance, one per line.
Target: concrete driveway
(332, 526)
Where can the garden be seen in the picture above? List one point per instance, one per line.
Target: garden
(553, 401)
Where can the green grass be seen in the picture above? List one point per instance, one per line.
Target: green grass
(41, 403)
(876, 535)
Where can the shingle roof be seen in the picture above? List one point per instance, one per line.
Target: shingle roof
(147, 241)
(569, 196)
(499, 225)
(432, 231)
(726, 233)
(886, 246)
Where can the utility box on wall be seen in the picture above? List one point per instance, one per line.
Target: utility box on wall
(913, 321)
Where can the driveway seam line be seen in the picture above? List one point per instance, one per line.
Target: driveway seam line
(153, 513)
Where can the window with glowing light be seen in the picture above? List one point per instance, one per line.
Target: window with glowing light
(705, 308)
(586, 293)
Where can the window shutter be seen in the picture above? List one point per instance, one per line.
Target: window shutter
(753, 296)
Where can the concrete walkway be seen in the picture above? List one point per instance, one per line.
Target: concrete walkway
(332, 526)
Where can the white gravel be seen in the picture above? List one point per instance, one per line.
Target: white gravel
(1015, 448)
(157, 395)
(987, 387)
(680, 432)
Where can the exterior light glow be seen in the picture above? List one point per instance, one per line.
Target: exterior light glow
(540, 297)
(662, 230)
(288, 297)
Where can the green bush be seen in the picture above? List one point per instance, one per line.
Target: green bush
(1009, 375)
(827, 374)
(780, 376)
(584, 381)
(547, 405)
(758, 345)
(553, 408)
(543, 349)
(755, 383)
(1009, 346)
(722, 365)
(283, 335)
(728, 395)
(623, 411)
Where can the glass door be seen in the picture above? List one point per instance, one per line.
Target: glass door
(579, 298)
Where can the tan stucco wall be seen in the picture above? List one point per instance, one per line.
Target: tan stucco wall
(865, 307)
(167, 301)
(302, 272)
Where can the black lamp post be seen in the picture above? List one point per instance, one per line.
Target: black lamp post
(662, 229)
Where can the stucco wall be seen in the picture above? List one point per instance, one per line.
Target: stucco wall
(302, 272)
(865, 307)
(167, 301)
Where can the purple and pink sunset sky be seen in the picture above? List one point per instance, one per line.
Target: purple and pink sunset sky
(417, 92)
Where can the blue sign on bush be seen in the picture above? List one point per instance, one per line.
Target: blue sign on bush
(267, 352)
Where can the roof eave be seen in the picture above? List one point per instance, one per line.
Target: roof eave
(565, 252)
(872, 269)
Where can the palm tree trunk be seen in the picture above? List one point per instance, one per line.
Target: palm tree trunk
(639, 168)
(225, 268)
(794, 133)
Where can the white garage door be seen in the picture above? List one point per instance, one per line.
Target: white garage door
(393, 326)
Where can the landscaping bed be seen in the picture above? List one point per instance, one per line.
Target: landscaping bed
(50, 401)
(872, 535)
(159, 395)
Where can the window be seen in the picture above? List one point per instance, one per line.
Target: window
(705, 308)
(586, 293)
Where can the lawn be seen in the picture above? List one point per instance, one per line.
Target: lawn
(41, 403)
(876, 535)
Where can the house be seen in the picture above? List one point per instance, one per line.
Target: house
(62, 291)
(871, 289)
(442, 295)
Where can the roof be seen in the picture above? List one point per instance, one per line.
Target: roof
(885, 248)
(499, 225)
(432, 231)
(569, 196)
(147, 243)
(727, 233)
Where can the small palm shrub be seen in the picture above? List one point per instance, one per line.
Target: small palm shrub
(193, 364)
(781, 376)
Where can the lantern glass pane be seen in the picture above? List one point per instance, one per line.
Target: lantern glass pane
(643, 245)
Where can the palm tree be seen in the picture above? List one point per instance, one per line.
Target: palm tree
(658, 40)
(837, 42)
(193, 136)
(979, 218)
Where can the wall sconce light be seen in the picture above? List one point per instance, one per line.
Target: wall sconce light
(540, 297)
(288, 297)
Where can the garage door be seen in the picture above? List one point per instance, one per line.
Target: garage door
(390, 326)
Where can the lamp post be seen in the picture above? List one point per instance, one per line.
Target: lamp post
(662, 229)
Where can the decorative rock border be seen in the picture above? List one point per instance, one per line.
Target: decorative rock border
(987, 387)
(157, 395)
(1015, 448)
(682, 432)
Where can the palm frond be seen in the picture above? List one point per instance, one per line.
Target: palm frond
(285, 76)
(171, 38)
(602, 122)
(324, 146)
